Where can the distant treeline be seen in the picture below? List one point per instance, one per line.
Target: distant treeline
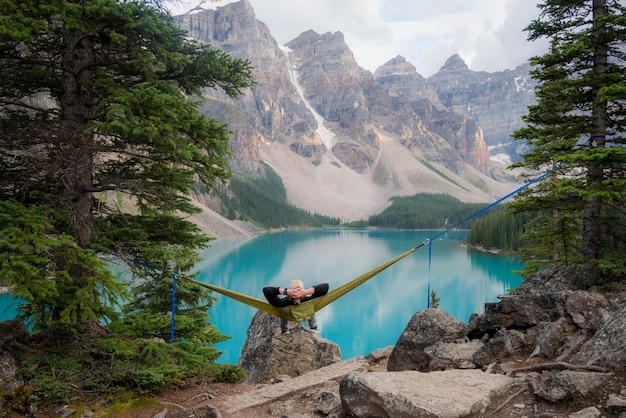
(499, 230)
(425, 211)
(263, 201)
(495, 229)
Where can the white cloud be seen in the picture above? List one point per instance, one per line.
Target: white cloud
(488, 34)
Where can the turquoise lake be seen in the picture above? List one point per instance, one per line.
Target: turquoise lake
(371, 316)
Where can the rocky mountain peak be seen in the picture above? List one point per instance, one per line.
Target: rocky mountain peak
(495, 100)
(232, 19)
(396, 65)
(215, 4)
(310, 36)
(327, 52)
(402, 79)
(454, 63)
(342, 139)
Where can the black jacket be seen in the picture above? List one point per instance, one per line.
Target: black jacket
(275, 299)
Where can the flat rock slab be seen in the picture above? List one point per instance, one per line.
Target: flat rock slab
(270, 392)
(445, 394)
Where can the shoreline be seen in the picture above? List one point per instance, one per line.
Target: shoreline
(491, 250)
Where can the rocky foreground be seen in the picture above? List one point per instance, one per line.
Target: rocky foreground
(547, 349)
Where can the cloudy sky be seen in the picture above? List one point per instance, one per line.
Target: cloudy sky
(487, 34)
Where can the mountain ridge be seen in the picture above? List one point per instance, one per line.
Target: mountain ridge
(342, 139)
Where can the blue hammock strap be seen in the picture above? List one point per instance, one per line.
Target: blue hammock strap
(430, 255)
(475, 214)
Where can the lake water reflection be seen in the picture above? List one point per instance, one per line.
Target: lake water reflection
(373, 315)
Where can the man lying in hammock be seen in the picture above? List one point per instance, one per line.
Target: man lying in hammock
(295, 297)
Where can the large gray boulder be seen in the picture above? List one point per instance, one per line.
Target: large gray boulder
(549, 316)
(606, 347)
(504, 344)
(268, 353)
(551, 281)
(457, 355)
(541, 299)
(425, 328)
(568, 384)
(450, 393)
(514, 311)
(587, 310)
(552, 338)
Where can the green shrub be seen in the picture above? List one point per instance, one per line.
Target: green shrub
(47, 391)
(434, 300)
(230, 373)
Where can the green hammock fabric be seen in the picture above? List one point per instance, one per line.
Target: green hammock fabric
(302, 312)
(318, 303)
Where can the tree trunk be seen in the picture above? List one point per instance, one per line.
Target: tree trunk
(592, 228)
(77, 110)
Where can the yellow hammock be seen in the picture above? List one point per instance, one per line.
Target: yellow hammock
(306, 309)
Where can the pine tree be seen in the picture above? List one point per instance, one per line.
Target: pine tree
(577, 126)
(99, 127)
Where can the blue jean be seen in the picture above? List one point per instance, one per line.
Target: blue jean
(284, 324)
